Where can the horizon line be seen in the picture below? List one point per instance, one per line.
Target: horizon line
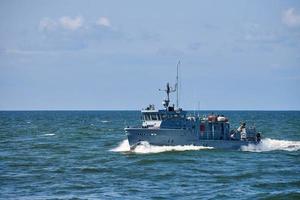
(53, 110)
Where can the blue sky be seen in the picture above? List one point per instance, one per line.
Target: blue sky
(117, 54)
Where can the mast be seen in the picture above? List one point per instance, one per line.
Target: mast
(170, 89)
(177, 88)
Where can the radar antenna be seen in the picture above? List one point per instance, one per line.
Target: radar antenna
(168, 90)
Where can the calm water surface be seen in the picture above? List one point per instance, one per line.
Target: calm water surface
(84, 155)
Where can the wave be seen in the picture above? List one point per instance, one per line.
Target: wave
(269, 144)
(146, 148)
(105, 121)
(49, 134)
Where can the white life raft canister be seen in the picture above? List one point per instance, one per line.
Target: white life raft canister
(222, 119)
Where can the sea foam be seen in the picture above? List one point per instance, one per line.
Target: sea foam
(49, 134)
(269, 144)
(266, 144)
(145, 148)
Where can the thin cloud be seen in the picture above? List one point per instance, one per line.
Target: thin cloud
(65, 22)
(291, 18)
(103, 21)
(71, 23)
(257, 33)
(68, 33)
(47, 24)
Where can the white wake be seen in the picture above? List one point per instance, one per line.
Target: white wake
(145, 148)
(269, 144)
(49, 134)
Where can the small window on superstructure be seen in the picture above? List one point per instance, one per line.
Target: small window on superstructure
(159, 117)
(153, 117)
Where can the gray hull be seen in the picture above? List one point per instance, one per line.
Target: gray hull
(172, 137)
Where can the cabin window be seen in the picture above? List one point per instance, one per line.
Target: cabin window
(153, 117)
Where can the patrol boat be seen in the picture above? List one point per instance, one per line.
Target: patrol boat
(173, 126)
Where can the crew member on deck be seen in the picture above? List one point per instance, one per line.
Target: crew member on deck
(242, 131)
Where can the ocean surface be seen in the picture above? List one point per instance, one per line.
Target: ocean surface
(85, 155)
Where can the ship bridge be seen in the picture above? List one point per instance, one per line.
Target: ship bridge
(168, 118)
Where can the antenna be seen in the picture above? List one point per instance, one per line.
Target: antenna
(198, 107)
(168, 90)
(176, 87)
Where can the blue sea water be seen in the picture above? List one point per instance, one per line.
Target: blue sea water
(85, 155)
